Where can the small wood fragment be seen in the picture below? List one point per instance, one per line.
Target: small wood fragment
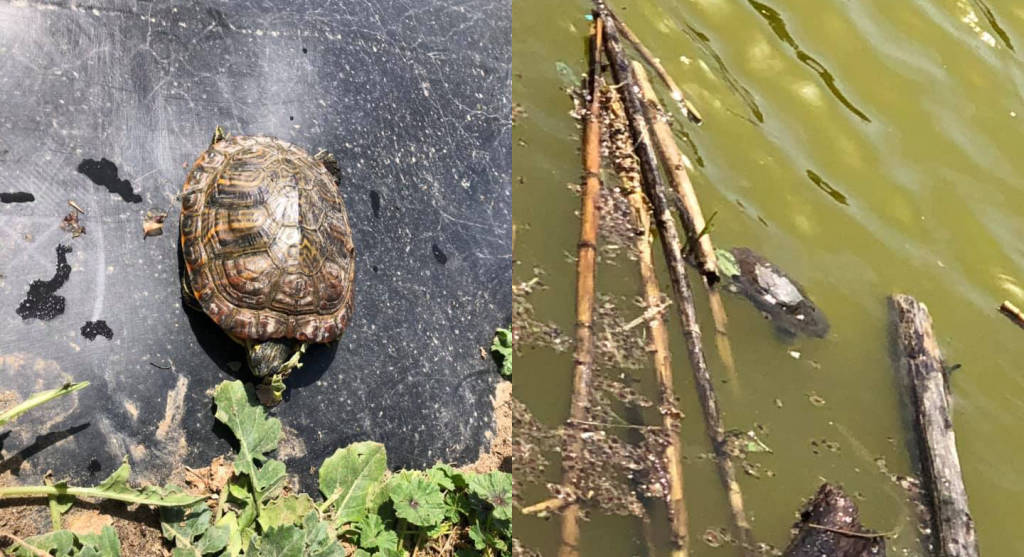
(830, 525)
(1013, 312)
(925, 384)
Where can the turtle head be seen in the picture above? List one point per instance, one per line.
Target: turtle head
(272, 361)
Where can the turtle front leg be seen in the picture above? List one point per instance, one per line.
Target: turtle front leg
(330, 163)
(218, 135)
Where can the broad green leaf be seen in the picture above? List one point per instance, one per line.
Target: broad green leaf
(458, 478)
(495, 488)
(457, 505)
(320, 538)
(441, 478)
(374, 534)
(229, 520)
(214, 540)
(282, 541)
(257, 434)
(60, 543)
(185, 552)
(39, 398)
(105, 542)
(287, 510)
(182, 526)
(116, 487)
(416, 499)
(268, 478)
(727, 265)
(347, 478)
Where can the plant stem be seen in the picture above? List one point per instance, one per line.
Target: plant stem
(92, 492)
(20, 542)
(40, 398)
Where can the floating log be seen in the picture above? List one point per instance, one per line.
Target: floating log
(1013, 312)
(585, 268)
(926, 387)
(672, 248)
(660, 353)
(830, 525)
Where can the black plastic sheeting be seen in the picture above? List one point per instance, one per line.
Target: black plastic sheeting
(106, 104)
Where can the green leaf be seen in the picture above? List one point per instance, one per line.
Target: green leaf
(185, 552)
(282, 541)
(214, 540)
(60, 543)
(114, 487)
(320, 540)
(184, 525)
(501, 351)
(439, 476)
(416, 499)
(347, 479)
(495, 488)
(727, 263)
(268, 478)
(229, 520)
(287, 510)
(478, 536)
(238, 408)
(105, 542)
(39, 398)
(374, 534)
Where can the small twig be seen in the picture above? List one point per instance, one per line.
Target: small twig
(76, 207)
(649, 314)
(867, 535)
(548, 505)
(627, 426)
(158, 366)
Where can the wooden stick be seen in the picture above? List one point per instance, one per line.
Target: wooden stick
(1013, 312)
(661, 355)
(585, 268)
(926, 387)
(686, 200)
(689, 210)
(655, 191)
(547, 506)
(685, 106)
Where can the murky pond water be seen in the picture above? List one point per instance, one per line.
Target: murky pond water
(865, 147)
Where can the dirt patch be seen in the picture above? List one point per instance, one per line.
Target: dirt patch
(501, 446)
(87, 521)
(209, 479)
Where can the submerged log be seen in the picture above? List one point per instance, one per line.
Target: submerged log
(585, 268)
(926, 386)
(830, 525)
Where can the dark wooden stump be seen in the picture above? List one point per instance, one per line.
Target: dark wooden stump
(926, 389)
(830, 525)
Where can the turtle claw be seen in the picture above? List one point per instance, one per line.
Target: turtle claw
(218, 135)
(270, 391)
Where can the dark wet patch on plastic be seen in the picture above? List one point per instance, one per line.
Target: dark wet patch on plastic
(375, 203)
(41, 302)
(93, 329)
(17, 197)
(439, 254)
(827, 188)
(104, 173)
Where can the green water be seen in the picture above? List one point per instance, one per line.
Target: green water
(911, 114)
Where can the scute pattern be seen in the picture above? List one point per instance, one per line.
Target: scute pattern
(266, 241)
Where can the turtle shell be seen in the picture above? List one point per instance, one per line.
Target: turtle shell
(265, 238)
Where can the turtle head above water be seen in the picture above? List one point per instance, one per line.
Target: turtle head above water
(272, 361)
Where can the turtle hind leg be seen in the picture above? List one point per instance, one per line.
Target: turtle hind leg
(218, 135)
(330, 163)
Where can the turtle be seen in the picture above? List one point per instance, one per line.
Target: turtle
(779, 297)
(267, 250)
